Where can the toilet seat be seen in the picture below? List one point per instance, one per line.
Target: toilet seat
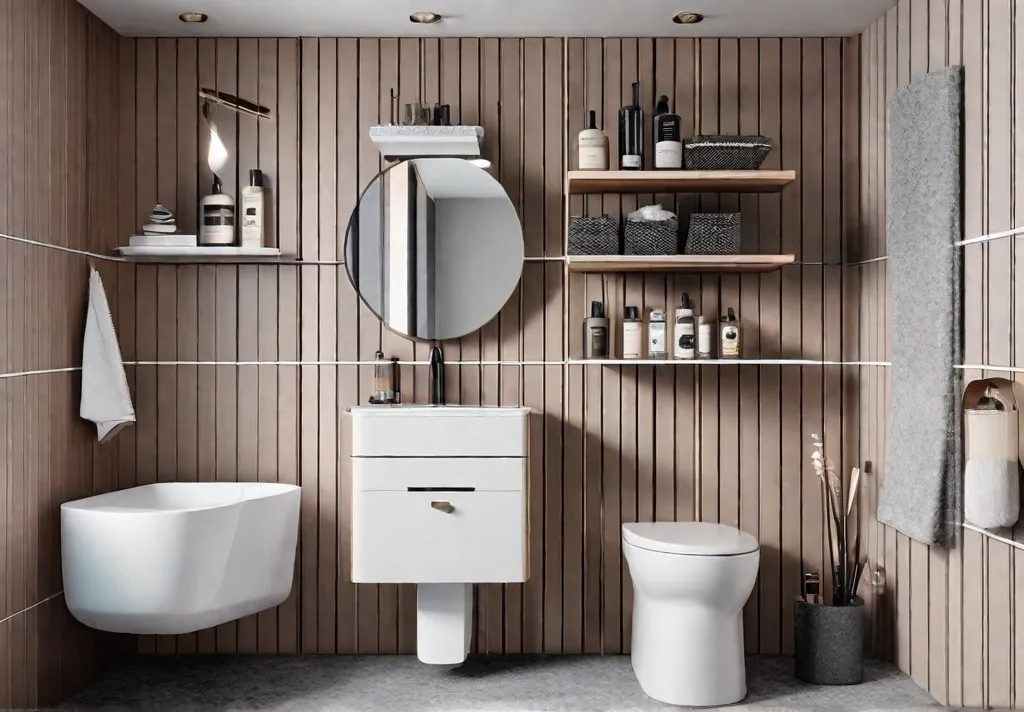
(689, 538)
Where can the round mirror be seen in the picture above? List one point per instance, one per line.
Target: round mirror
(434, 248)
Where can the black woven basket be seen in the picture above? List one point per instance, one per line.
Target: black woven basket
(713, 234)
(725, 153)
(652, 237)
(594, 236)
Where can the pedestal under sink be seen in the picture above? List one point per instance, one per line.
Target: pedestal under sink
(440, 500)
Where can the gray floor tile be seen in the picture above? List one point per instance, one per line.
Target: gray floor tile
(483, 684)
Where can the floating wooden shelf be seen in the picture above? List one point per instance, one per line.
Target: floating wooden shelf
(701, 362)
(678, 263)
(679, 181)
(207, 255)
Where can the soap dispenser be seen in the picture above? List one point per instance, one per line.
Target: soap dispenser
(668, 146)
(592, 147)
(217, 217)
(595, 333)
(685, 330)
(730, 347)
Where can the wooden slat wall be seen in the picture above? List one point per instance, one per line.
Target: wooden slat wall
(949, 617)
(609, 444)
(58, 97)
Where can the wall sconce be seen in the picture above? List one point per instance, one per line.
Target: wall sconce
(217, 156)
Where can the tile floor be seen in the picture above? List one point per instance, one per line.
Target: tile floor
(493, 684)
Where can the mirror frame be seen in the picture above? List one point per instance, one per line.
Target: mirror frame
(348, 231)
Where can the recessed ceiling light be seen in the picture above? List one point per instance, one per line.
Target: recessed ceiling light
(688, 18)
(425, 18)
(193, 17)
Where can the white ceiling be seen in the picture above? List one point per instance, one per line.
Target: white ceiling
(491, 18)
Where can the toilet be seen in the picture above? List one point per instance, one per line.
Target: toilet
(690, 582)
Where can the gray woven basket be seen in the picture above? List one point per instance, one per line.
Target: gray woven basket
(713, 234)
(594, 236)
(830, 643)
(652, 237)
(725, 153)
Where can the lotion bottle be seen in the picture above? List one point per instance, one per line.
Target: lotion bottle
(657, 350)
(686, 330)
(668, 144)
(631, 134)
(632, 334)
(595, 333)
(592, 147)
(704, 339)
(217, 216)
(253, 210)
(730, 335)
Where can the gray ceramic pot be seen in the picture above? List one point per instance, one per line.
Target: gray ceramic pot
(830, 643)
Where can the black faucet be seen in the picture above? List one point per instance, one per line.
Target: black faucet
(436, 376)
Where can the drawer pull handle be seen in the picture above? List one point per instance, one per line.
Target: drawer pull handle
(445, 507)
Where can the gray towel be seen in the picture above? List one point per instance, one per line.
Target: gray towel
(920, 493)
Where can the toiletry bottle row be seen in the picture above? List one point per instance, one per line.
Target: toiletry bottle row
(690, 335)
(217, 214)
(592, 143)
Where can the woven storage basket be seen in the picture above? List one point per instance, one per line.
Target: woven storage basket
(594, 236)
(725, 153)
(652, 237)
(713, 234)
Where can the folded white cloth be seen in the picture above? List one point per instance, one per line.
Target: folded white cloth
(105, 397)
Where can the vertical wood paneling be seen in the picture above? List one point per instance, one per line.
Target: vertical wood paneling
(60, 77)
(608, 444)
(793, 439)
(955, 626)
(348, 326)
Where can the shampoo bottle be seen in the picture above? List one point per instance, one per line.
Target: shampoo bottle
(730, 335)
(668, 145)
(631, 134)
(217, 215)
(632, 334)
(686, 330)
(252, 210)
(595, 333)
(593, 147)
(657, 350)
(704, 339)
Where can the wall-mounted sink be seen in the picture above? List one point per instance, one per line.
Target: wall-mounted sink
(440, 499)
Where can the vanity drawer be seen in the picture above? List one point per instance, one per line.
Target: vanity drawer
(404, 538)
(494, 474)
(409, 431)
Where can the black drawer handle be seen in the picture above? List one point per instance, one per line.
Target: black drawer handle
(441, 489)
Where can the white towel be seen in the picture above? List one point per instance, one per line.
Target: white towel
(106, 400)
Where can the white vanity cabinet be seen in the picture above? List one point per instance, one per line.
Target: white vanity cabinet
(439, 494)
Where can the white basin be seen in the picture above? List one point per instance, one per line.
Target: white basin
(439, 499)
(177, 557)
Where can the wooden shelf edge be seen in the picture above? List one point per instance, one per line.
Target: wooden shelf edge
(678, 263)
(760, 181)
(226, 260)
(700, 362)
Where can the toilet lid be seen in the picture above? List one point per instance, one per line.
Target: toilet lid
(693, 538)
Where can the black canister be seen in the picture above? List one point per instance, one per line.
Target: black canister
(830, 643)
